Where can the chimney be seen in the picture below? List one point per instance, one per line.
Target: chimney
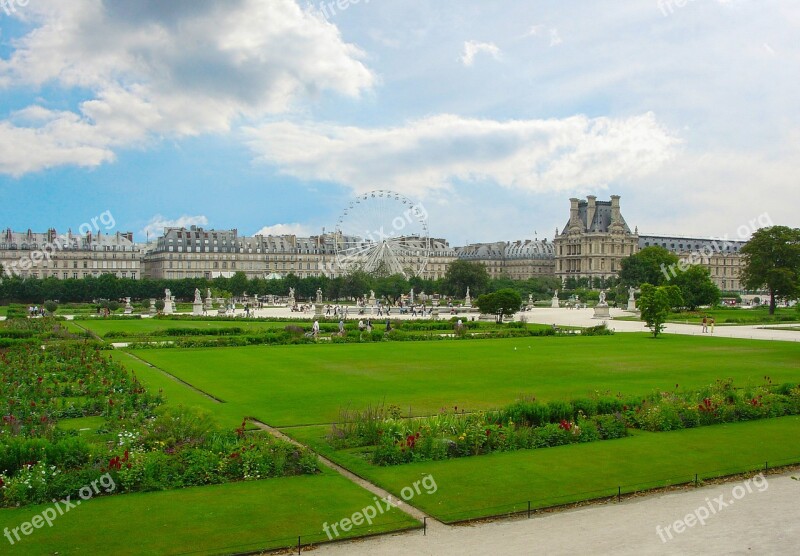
(573, 212)
(616, 217)
(590, 211)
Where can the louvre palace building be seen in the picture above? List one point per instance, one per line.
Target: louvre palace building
(590, 246)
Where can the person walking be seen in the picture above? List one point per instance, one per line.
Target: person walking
(712, 324)
(315, 329)
(705, 324)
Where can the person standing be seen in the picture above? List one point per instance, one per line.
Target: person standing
(705, 324)
(315, 329)
(712, 324)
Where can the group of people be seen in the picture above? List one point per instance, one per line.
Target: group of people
(36, 311)
(708, 322)
(363, 326)
(338, 311)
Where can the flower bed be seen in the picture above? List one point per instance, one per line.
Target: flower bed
(531, 424)
(141, 444)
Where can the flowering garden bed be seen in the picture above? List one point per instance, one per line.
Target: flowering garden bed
(142, 444)
(527, 424)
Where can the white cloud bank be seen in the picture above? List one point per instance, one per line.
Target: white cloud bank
(285, 230)
(571, 154)
(156, 69)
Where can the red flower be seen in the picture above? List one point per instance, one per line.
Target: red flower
(488, 432)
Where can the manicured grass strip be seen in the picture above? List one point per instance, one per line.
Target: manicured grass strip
(501, 483)
(149, 326)
(175, 393)
(294, 385)
(219, 519)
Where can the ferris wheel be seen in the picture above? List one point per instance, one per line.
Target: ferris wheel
(383, 232)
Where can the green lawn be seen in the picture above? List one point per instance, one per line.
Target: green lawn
(176, 393)
(732, 316)
(294, 385)
(220, 519)
(502, 483)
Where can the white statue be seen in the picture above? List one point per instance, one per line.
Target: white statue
(167, 294)
(291, 293)
(631, 292)
(319, 295)
(602, 297)
(198, 299)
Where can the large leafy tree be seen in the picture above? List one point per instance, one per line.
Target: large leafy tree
(696, 287)
(461, 275)
(647, 266)
(500, 303)
(655, 303)
(772, 261)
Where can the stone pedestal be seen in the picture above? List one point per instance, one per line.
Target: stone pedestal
(318, 309)
(153, 307)
(128, 306)
(169, 306)
(601, 311)
(554, 303)
(197, 309)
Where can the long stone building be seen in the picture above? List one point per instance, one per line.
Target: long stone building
(591, 246)
(50, 255)
(199, 253)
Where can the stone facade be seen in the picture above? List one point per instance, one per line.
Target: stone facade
(198, 253)
(518, 260)
(594, 241)
(722, 257)
(591, 245)
(50, 255)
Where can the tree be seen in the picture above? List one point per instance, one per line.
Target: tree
(461, 275)
(696, 287)
(50, 306)
(647, 266)
(655, 304)
(500, 303)
(238, 283)
(772, 261)
(160, 305)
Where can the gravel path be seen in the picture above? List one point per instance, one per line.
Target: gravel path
(765, 520)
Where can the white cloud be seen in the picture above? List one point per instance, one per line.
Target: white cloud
(473, 48)
(285, 230)
(193, 67)
(155, 227)
(571, 154)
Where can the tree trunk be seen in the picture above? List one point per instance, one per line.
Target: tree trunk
(771, 302)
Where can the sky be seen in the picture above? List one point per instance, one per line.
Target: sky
(271, 116)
